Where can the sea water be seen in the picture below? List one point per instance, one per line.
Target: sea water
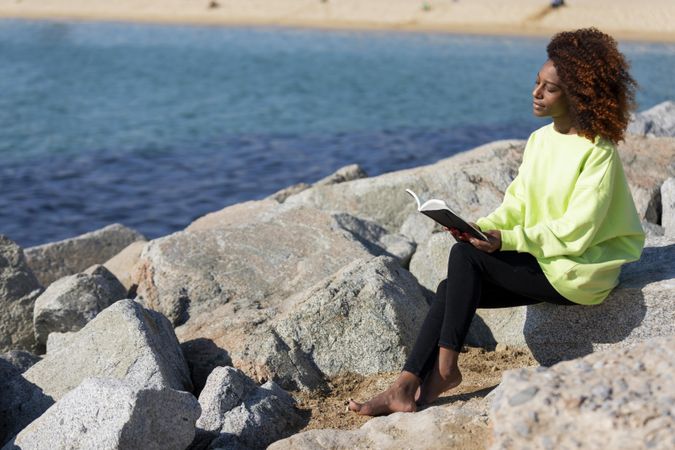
(153, 126)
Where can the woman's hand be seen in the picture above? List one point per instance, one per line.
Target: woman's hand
(493, 243)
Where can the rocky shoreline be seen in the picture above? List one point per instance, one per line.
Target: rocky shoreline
(220, 335)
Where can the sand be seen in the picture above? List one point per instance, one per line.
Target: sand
(481, 372)
(650, 20)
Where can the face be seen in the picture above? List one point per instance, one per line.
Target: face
(549, 99)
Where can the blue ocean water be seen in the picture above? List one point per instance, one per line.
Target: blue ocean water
(153, 126)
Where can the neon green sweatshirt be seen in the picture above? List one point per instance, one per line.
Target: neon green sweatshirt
(571, 208)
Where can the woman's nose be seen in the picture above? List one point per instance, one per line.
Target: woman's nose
(536, 92)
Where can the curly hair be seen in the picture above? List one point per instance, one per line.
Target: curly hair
(596, 81)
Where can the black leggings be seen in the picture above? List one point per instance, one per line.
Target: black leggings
(476, 280)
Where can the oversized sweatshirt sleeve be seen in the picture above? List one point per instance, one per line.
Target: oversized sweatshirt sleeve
(572, 233)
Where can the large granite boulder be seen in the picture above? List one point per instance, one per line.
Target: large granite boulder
(21, 401)
(640, 308)
(59, 259)
(112, 414)
(457, 426)
(71, 302)
(429, 264)
(123, 264)
(363, 319)
(251, 266)
(239, 414)
(668, 207)
(656, 121)
(125, 341)
(619, 399)
(18, 290)
(647, 162)
(235, 215)
(346, 173)
(20, 359)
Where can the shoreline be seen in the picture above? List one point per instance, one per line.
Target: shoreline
(526, 19)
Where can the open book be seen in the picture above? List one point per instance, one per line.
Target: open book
(441, 213)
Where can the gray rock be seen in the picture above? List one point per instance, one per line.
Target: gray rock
(647, 162)
(625, 401)
(59, 259)
(419, 227)
(124, 341)
(236, 215)
(652, 229)
(111, 414)
(282, 194)
(243, 414)
(376, 238)
(202, 357)
(56, 341)
(18, 290)
(456, 426)
(656, 121)
(361, 320)
(123, 264)
(20, 359)
(668, 206)
(346, 173)
(71, 302)
(429, 264)
(21, 402)
(640, 308)
(189, 276)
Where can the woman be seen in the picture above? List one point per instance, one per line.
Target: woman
(565, 227)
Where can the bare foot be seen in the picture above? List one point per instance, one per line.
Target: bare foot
(399, 397)
(444, 376)
(435, 385)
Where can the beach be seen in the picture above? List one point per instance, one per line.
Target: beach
(650, 21)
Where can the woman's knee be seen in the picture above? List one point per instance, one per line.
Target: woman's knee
(462, 251)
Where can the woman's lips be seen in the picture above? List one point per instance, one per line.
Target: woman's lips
(536, 105)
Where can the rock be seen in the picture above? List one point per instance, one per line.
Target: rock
(429, 264)
(625, 401)
(235, 215)
(190, 275)
(56, 341)
(376, 238)
(21, 402)
(20, 359)
(456, 426)
(242, 414)
(656, 121)
(59, 259)
(668, 206)
(647, 162)
(347, 173)
(361, 320)
(640, 308)
(71, 302)
(419, 227)
(652, 229)
(202, 357)
(110, 413)
(122, 265)
(18, 290)
(124, 341)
